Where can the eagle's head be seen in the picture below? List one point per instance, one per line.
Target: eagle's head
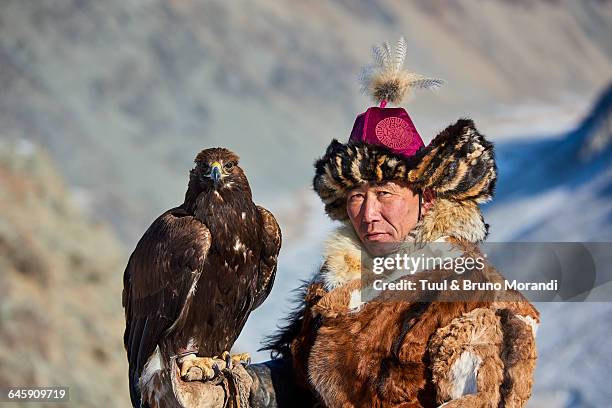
(217, 171)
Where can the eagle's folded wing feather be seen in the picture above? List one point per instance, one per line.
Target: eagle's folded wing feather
(159, 281)
(267, 264)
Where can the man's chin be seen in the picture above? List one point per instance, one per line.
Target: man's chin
(380, 245)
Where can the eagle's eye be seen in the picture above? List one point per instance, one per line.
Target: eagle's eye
(229, 166)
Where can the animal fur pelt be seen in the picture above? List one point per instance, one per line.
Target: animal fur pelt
(458, 165)
(383, 354)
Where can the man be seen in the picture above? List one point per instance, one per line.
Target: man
(389, 191)
(406, 353)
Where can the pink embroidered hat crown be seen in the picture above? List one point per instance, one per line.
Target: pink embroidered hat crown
(390, 127)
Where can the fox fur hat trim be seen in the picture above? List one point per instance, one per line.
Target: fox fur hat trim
(458, 165)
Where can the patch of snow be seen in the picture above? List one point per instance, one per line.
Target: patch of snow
(24, 147)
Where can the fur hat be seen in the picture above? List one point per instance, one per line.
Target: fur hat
(458, 164)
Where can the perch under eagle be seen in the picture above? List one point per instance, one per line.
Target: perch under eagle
(195, 276)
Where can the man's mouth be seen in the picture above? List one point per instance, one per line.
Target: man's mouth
(374, 236)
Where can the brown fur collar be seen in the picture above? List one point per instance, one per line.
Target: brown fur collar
(350, 354)
(343, 250)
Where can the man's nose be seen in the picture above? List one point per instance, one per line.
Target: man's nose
(371, 210)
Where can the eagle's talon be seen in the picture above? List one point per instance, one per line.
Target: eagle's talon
(242, 358)
(195, 368)
(217, 370)
(232, 360)
(194, 374)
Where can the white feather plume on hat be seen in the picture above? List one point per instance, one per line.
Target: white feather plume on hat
(385, 80)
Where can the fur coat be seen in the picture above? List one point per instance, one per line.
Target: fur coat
(409, 354)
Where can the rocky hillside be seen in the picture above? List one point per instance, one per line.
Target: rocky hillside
(60, 287)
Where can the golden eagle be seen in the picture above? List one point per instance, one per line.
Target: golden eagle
(195, 276)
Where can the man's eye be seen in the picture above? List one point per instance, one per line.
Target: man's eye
(383, 193)
(355, 197)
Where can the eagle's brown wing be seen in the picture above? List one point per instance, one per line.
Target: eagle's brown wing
(267, 264)
(158, 283)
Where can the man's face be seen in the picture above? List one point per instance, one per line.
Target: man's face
(382, 213)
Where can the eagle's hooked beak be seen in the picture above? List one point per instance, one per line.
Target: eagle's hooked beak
(215, 172)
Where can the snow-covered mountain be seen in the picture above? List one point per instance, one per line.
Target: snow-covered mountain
(560, 189)
(557, 188)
